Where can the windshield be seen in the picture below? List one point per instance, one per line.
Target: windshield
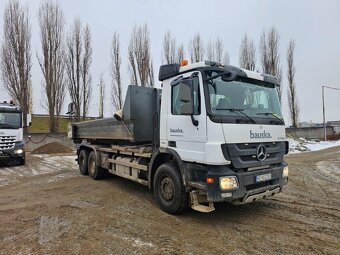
(10, 120)
(244, 98)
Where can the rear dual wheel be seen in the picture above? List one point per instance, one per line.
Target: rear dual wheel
(88, 165)
(82, 162)
(95, 172)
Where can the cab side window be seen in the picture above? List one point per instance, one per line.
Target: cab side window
(176, 103)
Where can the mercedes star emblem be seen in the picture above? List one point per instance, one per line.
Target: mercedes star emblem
(261, 153)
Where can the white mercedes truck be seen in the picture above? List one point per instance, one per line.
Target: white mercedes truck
(12, 145)
(213, 133)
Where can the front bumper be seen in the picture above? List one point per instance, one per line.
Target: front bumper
(10, 154)
(248, 189)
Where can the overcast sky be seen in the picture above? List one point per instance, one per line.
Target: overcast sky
(313, 24)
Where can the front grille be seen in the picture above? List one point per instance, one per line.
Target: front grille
(244, 155)
(7, 142)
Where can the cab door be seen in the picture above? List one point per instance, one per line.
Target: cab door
(186, 133)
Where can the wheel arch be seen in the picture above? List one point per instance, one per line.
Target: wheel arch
(163, 156)
(89, 148)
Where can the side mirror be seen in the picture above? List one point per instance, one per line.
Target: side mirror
(186, 99)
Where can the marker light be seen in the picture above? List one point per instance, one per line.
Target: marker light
(285, 172)
(184, 62)
(210, 180)
(228, 183)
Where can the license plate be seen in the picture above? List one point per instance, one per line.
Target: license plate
(263, 177)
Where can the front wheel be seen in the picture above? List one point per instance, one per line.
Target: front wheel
(169, 191)
(22, 161)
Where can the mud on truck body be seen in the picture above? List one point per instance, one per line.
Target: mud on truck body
(213, 133)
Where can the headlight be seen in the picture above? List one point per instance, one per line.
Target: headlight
(285, 172)
(228, 183)
(18, 151)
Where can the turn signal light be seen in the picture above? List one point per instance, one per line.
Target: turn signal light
(210, 180)
(184, 62)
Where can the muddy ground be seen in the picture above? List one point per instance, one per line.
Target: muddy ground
(47, 207)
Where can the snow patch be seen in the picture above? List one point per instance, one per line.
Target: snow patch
(302, 145)
(135, 242)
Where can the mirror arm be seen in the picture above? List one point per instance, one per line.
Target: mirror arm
(194, 121)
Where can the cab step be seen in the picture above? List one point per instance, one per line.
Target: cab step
(200, 207)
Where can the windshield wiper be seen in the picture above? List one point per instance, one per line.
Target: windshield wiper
(238, 110)
(272, 114)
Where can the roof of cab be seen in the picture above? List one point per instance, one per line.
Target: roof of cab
(7, 107)
(242, 72)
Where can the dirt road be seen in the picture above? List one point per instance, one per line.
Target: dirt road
(47, 207)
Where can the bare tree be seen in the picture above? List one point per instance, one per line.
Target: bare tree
(292, 98)
(169, 49)
(151, 76)
(264, 53)
(270, 56)
(74, 51)
(180, 54)
(211, 51)
(218, 50)
(85, 72)
(16, 55)
(30, 93)
(139, 55)
(226, 58)
(101, 96)
(215, 51)
(51, 22)
(247, 57)
(196, 48)
(77, 62)
(116, 82)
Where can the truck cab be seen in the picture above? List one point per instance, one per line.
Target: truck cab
(226, 126)
(11, 134)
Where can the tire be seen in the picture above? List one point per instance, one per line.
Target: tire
(22, 161)
(82, 162)
(169, 191)
(95, 172)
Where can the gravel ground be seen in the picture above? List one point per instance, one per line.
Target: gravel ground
(47, 207)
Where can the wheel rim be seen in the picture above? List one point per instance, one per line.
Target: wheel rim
(167, 188)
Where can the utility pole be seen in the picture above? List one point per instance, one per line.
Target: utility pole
(324, 111)
(323, 114)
